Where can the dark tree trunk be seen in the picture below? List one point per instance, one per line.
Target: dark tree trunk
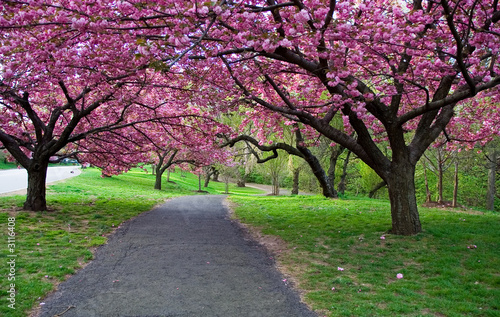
(159, 170)
(334, 156)
(376, 188)
(492, 171)
(343, 177)
(241, 182)
(455, 186)
(36, 193)
(401, 186)
(207, 180)
(215, 176)
(295, 186)
(158, 179)
(318, 171)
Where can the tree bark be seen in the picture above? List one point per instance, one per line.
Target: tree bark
(36, 194)
(207, 180)
(376, 188)
(401, 186)
(492, 171)
(343, 177)
(159, 170)
(215, 176)
(324, 181)
(455, 186)
(335, 152)
(158, 176)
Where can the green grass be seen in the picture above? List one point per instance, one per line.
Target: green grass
(7, 165)
(451, 269)
(50, 246)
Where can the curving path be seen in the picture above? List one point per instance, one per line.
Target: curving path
(184, 258)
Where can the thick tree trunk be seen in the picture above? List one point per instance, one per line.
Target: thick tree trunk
(492, 171)
(36, 193)
(404, 212)
(158, 180)
(207, 180)
(295, 186)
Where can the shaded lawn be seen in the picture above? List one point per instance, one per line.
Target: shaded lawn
(347, 264)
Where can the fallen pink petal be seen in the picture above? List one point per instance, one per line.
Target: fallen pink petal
(399, 276)
(340, 268)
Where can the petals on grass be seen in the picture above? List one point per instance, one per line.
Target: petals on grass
(382, 238)
(340, 268)
(399, 276)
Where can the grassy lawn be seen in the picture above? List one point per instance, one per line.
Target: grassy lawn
(7, 165)
(50, 246)
(340, 254)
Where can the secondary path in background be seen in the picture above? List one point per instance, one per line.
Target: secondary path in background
(17, 179)
(185, 258)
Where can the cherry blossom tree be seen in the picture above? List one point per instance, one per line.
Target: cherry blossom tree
(393, 72)
(398, 72)
(72, 76)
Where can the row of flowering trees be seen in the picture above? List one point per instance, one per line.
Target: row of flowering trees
(405, 72)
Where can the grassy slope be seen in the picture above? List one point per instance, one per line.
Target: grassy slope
(451, 269)
(52, 245)
(442, 276)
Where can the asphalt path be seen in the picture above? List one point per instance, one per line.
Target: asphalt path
(185, 258)
(12, 180)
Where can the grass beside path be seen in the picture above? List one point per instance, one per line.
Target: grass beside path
(50, 246)
(340, 254)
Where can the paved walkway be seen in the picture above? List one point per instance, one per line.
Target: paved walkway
(15, 181)
(185, 258)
